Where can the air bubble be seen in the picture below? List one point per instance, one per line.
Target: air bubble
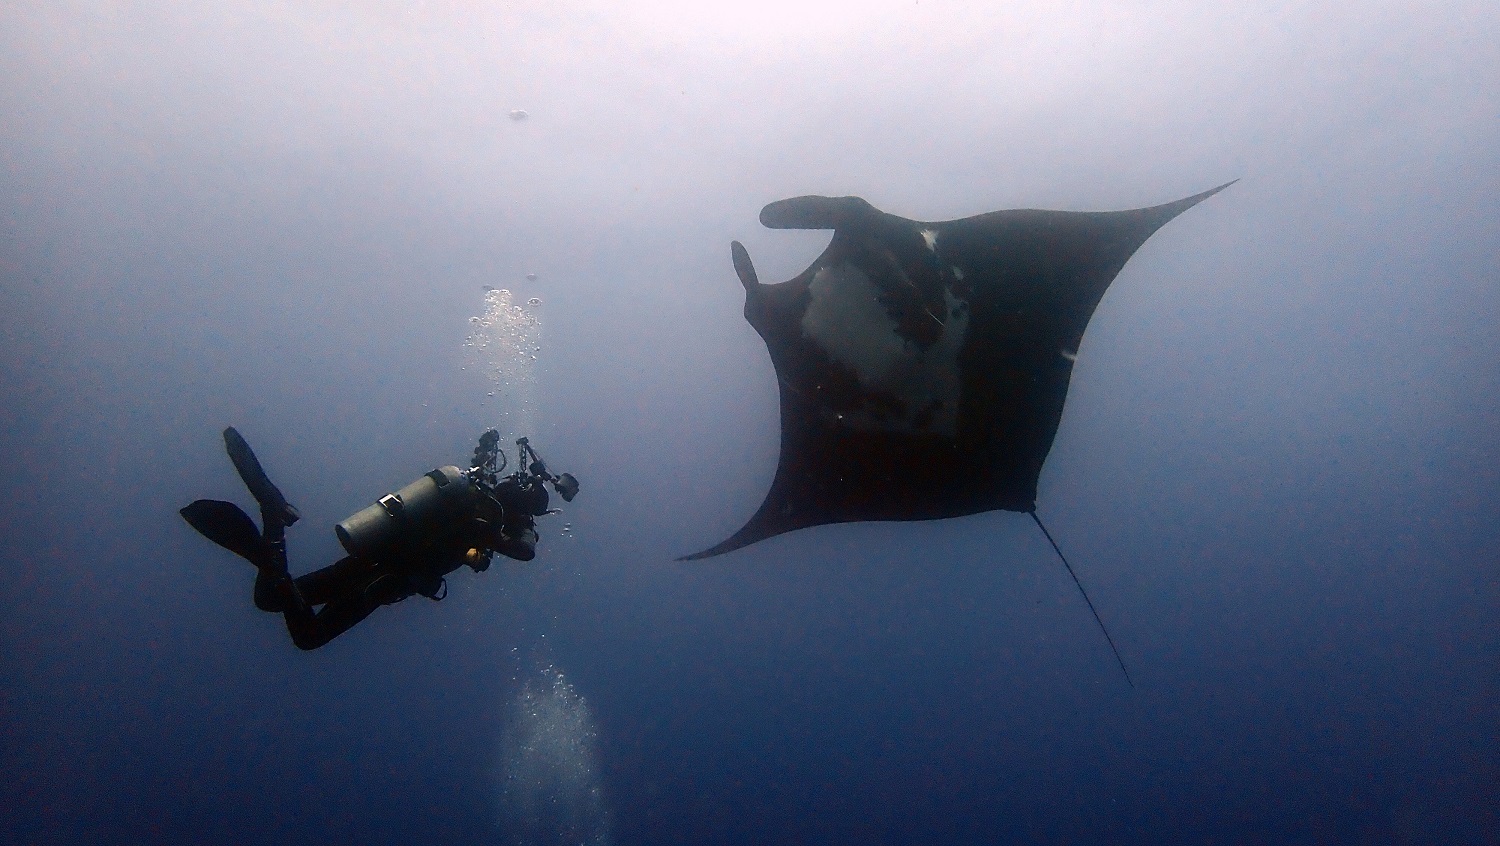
(501, 345)
(550, 769)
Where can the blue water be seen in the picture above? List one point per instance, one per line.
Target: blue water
(1277, 473)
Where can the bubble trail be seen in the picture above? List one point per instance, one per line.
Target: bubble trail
(550, 791)
(502, 344)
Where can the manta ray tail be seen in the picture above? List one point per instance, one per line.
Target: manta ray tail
(1085, 598)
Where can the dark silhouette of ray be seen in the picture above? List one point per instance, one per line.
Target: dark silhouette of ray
(923, 367)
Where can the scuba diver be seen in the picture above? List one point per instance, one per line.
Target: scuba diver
(404, 544)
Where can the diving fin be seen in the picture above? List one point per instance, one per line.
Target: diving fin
(228, 526)
(255, 478)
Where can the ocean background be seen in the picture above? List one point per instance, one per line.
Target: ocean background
(1277, 473)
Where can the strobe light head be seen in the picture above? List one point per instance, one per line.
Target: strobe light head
(566, 486)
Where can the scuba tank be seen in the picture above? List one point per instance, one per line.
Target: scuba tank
(411, 516)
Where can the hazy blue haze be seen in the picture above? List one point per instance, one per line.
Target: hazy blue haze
(1277, 473)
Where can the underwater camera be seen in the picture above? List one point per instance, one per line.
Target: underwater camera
(566, 485)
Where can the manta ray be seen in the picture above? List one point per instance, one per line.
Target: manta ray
(923, 367)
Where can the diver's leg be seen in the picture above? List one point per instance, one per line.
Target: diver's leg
(361, 588)
(336, 579)
(268, 593)
(317, 587)
(278, 592)
(339, 615)
(278, 589)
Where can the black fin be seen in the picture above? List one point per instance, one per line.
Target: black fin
(813, 212)
(265, 493)
(743, 267)
(228, 526)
